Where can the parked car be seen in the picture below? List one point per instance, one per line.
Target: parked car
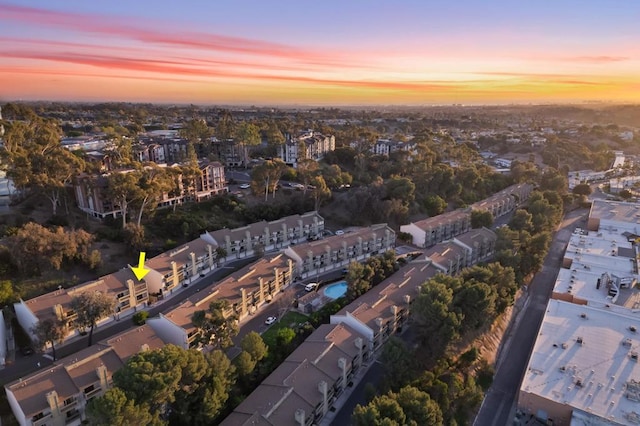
(244, 186)
(311, 286)
(270, 320)
(339, 232)
(26, 350)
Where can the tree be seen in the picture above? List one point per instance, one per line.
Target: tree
(7, 294)
(582, 189)
(248, 134)
(398, 362)
(122, 189)
(253, 344)
(480, 218)
(434, 205)
(90, 307)
(307, 170)
(35, 159)
(245, 364)
(418, 407)
(221, 253)
(358, 279)
(285, 336)
(436, 324)
(115, 409)
(401, 188)
(320, 191)
(198, 133)
(217, 326)
(50, 331)
(381, 411)
(153, 182)
(625, 194)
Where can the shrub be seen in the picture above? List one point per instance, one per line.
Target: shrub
(140, 317)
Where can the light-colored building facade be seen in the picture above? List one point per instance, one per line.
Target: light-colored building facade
(308, 145)
(436, 229)
(90, 190)
(302, 390)
(335, 252)
(387, 147)
(296, 393)
(58, 394)
(246, 291)
(127, 291)
(267, 236)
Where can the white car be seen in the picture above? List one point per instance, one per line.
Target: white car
(311, 286)
(339, 232)
(244, 186)
(270, 320)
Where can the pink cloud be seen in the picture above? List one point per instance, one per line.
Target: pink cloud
(184, 39)
(182, 68)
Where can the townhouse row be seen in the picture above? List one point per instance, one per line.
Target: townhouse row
(57, 395)
(170, 270)
(305, 387)
(54, 396)
(436, 229)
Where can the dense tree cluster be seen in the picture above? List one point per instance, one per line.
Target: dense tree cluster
(362, 276)
(35, 248)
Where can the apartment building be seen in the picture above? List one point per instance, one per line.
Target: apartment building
(308, 145)
(246, 291)
(179, 266)
(387, 146)
(57, 395)
(331, 253)
(267, 236)
(302, 390)
(505, 201)
(436, 229)
(384, 310)
(479, 245)
(128, 292)
(90, 190)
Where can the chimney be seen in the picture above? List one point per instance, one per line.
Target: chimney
(323, 388)
(261, 283)
(379, 322)
(407, 299)
(194, 268)
(243, 309)
(301, 417)
(210, 250)
(174, 269)
(360, 345)
(342, 363)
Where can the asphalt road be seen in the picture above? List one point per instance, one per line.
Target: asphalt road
(498, 407)
(24, 365)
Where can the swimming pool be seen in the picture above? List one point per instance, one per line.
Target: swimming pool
(336, 290)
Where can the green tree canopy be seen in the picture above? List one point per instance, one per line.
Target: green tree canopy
(115, 409)
(91, 307)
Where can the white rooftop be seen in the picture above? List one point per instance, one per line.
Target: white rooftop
(594, 254)
(595, 376)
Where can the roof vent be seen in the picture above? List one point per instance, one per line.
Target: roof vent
(626, 342)
(583, 315)
(634, 356)
(632, 329)
(580, 341)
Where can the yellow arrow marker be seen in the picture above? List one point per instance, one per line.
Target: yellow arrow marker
(140, 270)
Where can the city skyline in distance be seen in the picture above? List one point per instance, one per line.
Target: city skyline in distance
(323, 53)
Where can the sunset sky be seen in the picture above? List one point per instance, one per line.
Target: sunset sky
(348, 52)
